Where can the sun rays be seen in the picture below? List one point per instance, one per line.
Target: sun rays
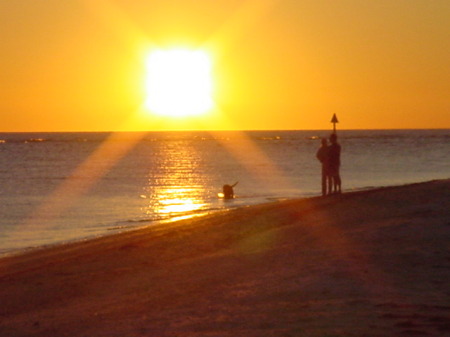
(178, 84)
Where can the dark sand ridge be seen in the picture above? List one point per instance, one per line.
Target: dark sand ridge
(371, 263)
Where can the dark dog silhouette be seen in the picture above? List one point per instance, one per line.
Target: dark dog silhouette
(228, 192)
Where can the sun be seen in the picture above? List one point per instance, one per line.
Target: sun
(179, 82)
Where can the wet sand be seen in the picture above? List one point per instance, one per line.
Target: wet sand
(370, 263)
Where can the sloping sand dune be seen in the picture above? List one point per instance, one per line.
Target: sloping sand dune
(371, 263)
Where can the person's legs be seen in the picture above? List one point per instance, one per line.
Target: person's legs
(330, 184)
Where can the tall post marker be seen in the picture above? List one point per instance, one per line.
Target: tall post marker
(334, 120)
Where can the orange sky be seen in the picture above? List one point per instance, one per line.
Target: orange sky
(78, 65)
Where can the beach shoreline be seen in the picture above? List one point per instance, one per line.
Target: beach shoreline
(364, 263)
(121, 229)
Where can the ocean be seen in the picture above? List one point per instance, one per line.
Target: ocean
(60, 187)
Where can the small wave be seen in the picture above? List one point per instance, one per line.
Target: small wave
(140, 220)
(163, 217)
(269, 138)
(119, 228)
(36, 140)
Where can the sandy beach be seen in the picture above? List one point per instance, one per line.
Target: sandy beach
(368, 263)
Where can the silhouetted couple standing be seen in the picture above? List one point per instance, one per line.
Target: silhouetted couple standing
(330, 157)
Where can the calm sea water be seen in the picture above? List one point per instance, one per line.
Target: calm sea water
(57, 187)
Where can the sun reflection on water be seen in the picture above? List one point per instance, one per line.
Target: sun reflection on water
(177, 200)
(175, 203)
(177, 188)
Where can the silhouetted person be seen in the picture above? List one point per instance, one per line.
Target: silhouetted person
(322, 155)
(334, 162)
(228, 192)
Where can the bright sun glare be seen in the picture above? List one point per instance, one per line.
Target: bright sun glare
(179, 82)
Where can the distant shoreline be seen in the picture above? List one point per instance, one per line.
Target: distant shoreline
(256, 130)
